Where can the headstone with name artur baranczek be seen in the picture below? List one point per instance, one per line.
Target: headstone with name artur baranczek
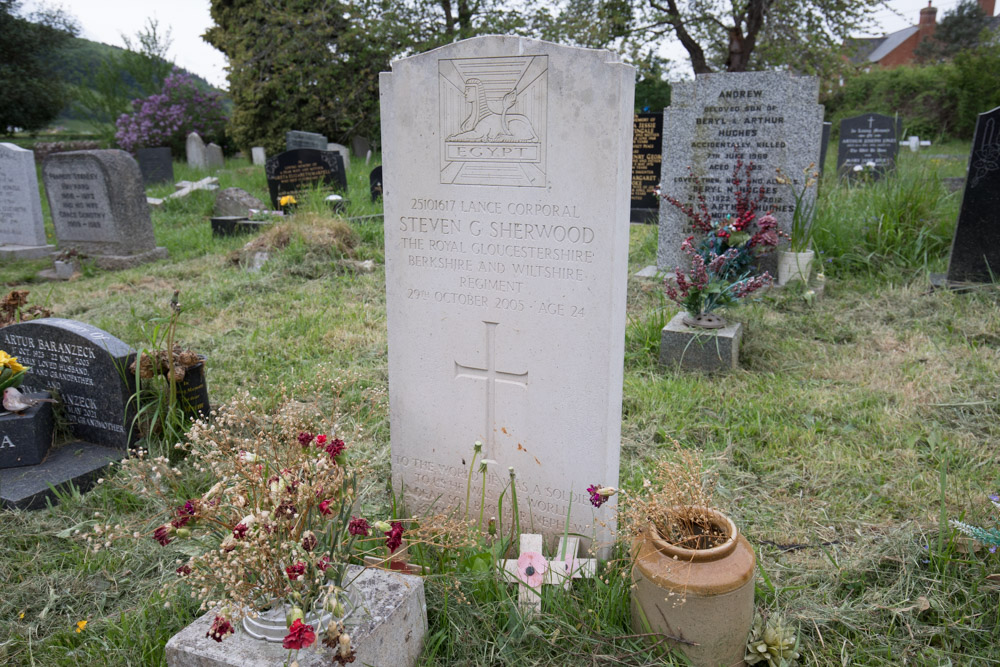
(975, 249)
(295, 139)
(99, 207)
(647, 154)
(22, 230)
(506, 246)
(298, 172)
(771, 119)
(85, 368)
(866, 140)
(156, 165)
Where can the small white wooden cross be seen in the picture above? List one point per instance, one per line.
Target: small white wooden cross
(531, 570)
(914, 142)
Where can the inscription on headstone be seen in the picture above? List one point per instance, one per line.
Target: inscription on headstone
(506, 239)
(868, 138)
(771, 119)
(647, 154)
(299, 171)
(975, 249)
(84, 365)
(21, 222)
(295, 139)
(98, 206)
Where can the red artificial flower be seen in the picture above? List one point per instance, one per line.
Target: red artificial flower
(394, 538)
(305, 438)
(221, 627)
(324, 507)
(358, 526)
(299, 636)
(296, 571)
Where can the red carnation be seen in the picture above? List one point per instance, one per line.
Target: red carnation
(321, 440)
(335, 448)
(296, 571)
(358, 526)
(299, 636)
(184, 570)
(305, 438)
(324, 507)
(323, 563)
(162, 535)
(394, 538)
(220, 628)
(240, 531)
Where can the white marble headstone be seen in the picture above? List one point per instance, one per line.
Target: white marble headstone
(259, 155)
(506, 234)
(344, 152)
(197, 155)
(769, 118)
(20, 203)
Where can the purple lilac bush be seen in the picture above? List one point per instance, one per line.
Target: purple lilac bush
(165, 119)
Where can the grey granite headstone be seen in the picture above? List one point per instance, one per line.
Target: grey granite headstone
(975, 249)
(22, 231)
(214, 157)
(197, 156)
(156, 165)
(388, 633)
(297, 139)
(870, 137)
(360, 145)
(99, 207)
(259, 155)
(236, 202)
(344, 153)
(769, 118)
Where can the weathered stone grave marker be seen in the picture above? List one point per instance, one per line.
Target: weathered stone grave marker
(99, 207)
(360, 146)
(870, 137)
(506, 235)
(296, 139)
(87, 369)
(259, 155)
(345, 154)
(214, 159)
(769, 118)
(975, 249)
(647, 155)
(22, 230)
(156, 165)
(197, 153)
(298, 171)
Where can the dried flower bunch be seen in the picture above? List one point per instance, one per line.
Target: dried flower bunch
(677, 502)
(159, 363)
(14, 308)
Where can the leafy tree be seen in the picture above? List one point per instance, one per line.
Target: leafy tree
(32, 94)
(141, 68)
(960, 29)
(742, 35)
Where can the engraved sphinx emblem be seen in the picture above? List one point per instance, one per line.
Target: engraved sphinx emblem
(493, 118)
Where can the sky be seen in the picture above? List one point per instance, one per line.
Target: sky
(107, 20)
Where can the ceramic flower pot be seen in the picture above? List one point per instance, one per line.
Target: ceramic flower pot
(794, 266)
(271, 625)
(702, 597)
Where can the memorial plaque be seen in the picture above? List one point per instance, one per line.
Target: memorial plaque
(84, 365)
(870, 137)
(647, 154)
(21, 224)
(156, 165)
(771, 119)
(197, 153)
(299, 171)
(506, 246)
(99, 207)
(975, 249)
(295, 139)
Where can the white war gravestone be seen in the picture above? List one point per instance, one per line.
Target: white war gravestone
(22, 231)
(507, 163)
(769, 118)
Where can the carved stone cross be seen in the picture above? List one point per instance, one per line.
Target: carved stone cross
(531, 570)
(914, 143)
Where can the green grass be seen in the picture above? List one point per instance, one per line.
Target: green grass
(829, 442)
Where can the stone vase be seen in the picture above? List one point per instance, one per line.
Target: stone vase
(794, 266)
(702, 596)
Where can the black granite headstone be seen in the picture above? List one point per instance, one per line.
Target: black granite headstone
(76, 463)
(647, 156)
(298, 172)
(85, 367)
(870, 137)
(824, 144)
(375, 183)
(156, 165)
(975, 250)
(295, 139)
